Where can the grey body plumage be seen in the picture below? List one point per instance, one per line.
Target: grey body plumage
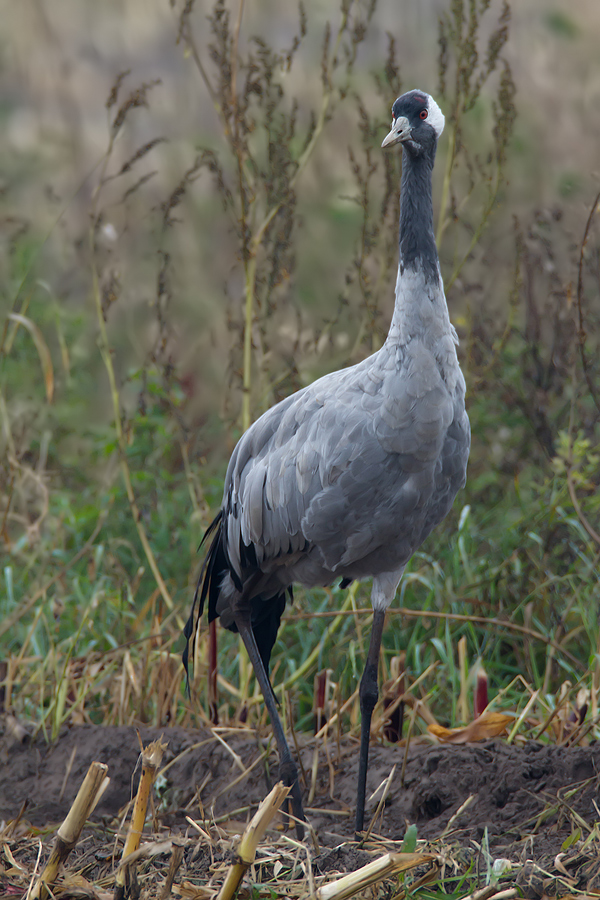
(347, 477)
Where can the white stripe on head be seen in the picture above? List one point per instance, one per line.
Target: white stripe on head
(436, 117)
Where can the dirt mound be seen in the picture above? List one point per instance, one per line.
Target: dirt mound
(527, 800)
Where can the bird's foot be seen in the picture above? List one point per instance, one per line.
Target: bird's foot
(289, 775)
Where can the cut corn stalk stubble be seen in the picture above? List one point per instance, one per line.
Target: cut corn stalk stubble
(151, 760)
(93, 786)
(387, 865)
(254, 833)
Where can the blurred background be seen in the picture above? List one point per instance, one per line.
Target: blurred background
(196, 220)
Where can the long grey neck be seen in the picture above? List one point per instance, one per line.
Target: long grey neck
(417, 242)
(420, 310)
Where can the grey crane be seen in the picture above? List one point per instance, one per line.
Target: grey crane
(347, 477)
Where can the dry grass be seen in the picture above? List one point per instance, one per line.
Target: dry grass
(123, 687)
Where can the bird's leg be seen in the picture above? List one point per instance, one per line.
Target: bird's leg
(368, 698)
(287, 767)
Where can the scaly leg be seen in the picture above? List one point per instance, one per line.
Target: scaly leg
(287, 767)
(368, 698)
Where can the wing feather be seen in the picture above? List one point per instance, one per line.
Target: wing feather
(345, 466)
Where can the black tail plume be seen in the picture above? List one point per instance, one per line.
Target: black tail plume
(202, 589)
(266, 612)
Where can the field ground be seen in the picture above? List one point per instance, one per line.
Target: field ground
(533, 805)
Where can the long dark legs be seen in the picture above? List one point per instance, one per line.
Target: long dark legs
(368, 698)
(287, 767)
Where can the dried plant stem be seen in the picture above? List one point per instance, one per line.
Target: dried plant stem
(411, 724)
(387, 783)
(490, 893)
(175, 862)
(249, 288)
(463, 672)
(312, 657)
(151, 760)
(254, 833)
(502, 341)
(105, 352)
(234, 53)
(256, 242)
(56, 708)
(250, 266)
(93, 786)
(481, 225)
(189, 477)
(580, 514)
(581, 333)
(515, 729)
(41, 347)
(459, 32)
(387, 865)
(433, 614)
(334, 720)
(450, 157)
(455, 816)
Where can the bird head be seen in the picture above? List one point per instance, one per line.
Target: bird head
(417, 122)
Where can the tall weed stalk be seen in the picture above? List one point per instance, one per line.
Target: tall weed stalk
(268, 139)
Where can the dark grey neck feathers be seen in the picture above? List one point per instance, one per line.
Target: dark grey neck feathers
(417, 242)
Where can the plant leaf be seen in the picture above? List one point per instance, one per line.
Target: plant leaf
(487, 725)
(42, 348)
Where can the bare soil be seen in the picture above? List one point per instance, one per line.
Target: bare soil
(526, 801)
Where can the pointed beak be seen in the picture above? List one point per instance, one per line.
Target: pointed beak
(400, 132)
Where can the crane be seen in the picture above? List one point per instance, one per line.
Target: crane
(347, 477)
